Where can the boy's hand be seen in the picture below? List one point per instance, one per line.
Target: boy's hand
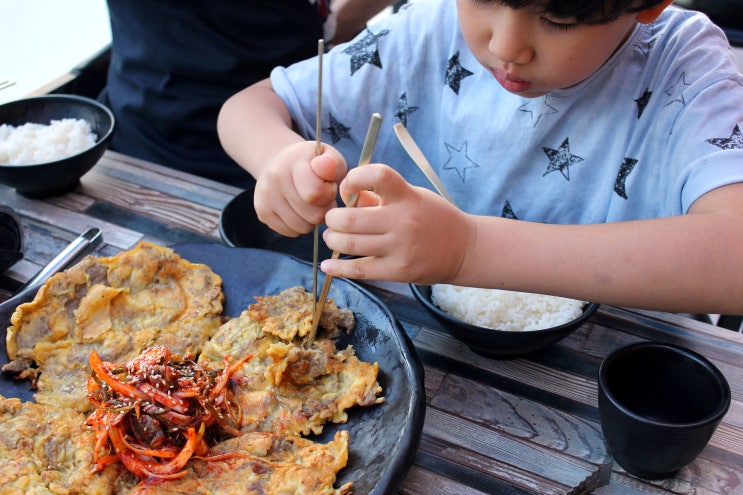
(402, 233)
(297, 188)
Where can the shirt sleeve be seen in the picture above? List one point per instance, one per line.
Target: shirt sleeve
(369, 74)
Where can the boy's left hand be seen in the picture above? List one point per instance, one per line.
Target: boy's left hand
(400, 232)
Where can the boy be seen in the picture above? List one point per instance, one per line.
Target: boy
(594, 148)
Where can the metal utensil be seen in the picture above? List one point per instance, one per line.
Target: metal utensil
(70, 255)
(410, 146)
(364, 159)
(6, 83)
(318, 151)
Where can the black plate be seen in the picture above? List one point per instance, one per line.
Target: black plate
(383, 438)
(11, 238)
(239, 227)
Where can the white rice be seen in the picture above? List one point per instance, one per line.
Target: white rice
(32, 143)
(505, 310)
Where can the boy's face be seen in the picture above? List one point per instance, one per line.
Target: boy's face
(531, 53)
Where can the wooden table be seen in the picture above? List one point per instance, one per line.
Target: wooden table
(519, 426)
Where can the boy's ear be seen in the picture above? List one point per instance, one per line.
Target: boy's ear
(649, 15)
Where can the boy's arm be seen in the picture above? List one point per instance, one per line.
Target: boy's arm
(689, 263)
(254, 125)
(294, 187)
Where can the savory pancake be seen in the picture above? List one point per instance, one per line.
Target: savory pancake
(289, 315)
(148, 302)
(288, 387)
(285, 389)
(118, 306)
(262, 464)
(46, 450)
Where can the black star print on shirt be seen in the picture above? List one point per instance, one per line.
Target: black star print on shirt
(676, 92)
(734, 142)
(403, 109)
(561, 159)
(336, 130)
(508, 212)
(458, 160)
(366, 50)
(455, 73)
(624, 171)
(536, 108)
(643, 101)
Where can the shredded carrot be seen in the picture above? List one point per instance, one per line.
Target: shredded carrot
(118, 386)
(157, 411)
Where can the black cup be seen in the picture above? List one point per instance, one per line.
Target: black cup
(659, 406)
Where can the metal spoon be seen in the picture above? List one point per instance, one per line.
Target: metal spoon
(407, 142)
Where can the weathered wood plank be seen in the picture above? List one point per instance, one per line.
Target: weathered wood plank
(717, 344)
(699, 478)
(153, 204)
(432, 379)
(576, 388)
(153, 229)
(71, 221)
(521, 418)
(421, 481)
(166, 180)
(484, 473)
(548, 464)
(704, 477)
(72, 201)
(729, 438)
(621, 484)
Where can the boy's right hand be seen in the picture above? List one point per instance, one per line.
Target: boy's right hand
(297, 188)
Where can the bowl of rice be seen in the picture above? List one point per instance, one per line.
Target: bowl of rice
(498, 323)
(48, 142)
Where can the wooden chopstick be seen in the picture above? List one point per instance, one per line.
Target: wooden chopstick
(366, 154)
(415, 153)
(318, 152)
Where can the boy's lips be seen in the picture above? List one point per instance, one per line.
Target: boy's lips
(510, 82)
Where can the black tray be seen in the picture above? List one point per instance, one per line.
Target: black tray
(383, 438)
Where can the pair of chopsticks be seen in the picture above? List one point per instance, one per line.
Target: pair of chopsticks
(318, 152)
(364, 159)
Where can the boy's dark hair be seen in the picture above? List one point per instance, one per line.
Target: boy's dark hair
(585, 11)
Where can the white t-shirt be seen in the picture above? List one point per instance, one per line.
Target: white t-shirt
(656, 127)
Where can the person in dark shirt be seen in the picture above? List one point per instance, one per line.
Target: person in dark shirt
(174, 63)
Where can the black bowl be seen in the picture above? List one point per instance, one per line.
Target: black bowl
(11, 238)
(239, 227)
(499, 343)
(59, 176)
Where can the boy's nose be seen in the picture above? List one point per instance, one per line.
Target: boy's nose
(510, 38)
